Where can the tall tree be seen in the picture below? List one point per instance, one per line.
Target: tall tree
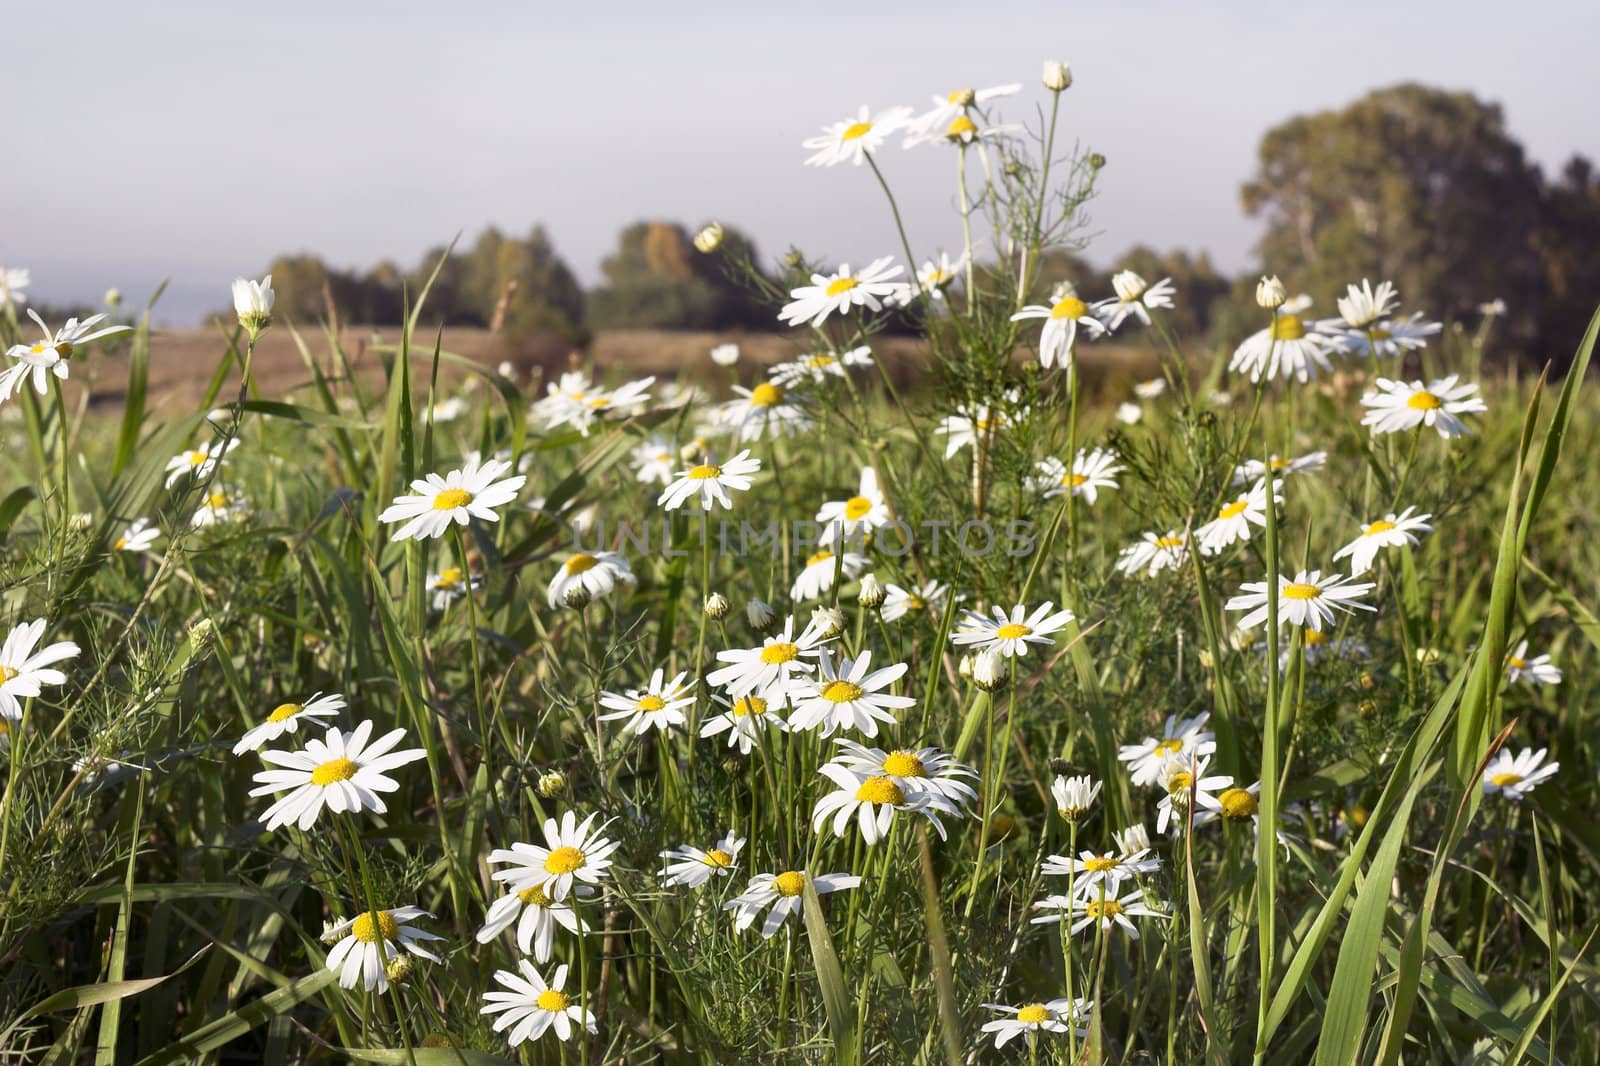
(656, 279)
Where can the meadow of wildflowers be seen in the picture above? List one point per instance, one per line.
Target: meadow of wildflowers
(791, 714)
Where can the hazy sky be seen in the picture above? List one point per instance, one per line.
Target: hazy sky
(196, 140)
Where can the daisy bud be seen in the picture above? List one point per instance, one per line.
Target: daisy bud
(1206, 660)
(1428, 656)
(964, 667)
(1132, 839)
(829, 621)
(252, 302)
(1368, 682)
(506, 370)
(551, 783)
(1097, 161)
(989, 671)
(328, 935)
(82, 520)
(399, 969)
(1074, 796)
(577, 597)
(1241, 639)
(1270, 293)
(1367, 708)
(201, 634)
(716, 607)
(872, 593)
(760, 616)
(1057, 76)
(113, 297)
(709, 239)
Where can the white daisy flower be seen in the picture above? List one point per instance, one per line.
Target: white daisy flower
(12, 281)
(654, 461)
(1151, 389)
(857, 516)
(656, 706)
(1235, 518)
(1538, 670)
(1129, 414)
(1252, 470)
(450, 585)
(688, 865)
(1131, 839)
(845, 695)
(1515, 776)
(1181, 738)
(764, 411)
(782, 893)
(937, 275)
(1361, 307)
(1398, 406)
(743, 721)
(530, 1007)
(931, 124)
(1062, 320)
(198, 463)
(50, 355)
(597, 573)
(842, 292)
(1106, 912)
(446, 410)
(472, 492)
(341, 772)
(1135, 297)
(1091, 471)
(1287, 348)
(870, 801)
(1239, 805)
(358, 955)
(1387, 339)
(1390, 531)
(965, 428)
(1074, 796)
(1009, 634)
(928, 597)
(1307, 599)
(286, 718)
(927, 772)
(710, 482)
(23, 671)
(816, 577)
(1184, 780)
(850, 139)
(725, 354)
(141, 536)
(1055, 1016)
(774, 669)
(536, 915)
(253, 302)
(221, 506)
(1153, 553)
(578, 402)
(1094, 874)
(573, 852)
(819, 367)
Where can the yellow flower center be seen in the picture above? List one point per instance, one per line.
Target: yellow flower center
(1235, 509)
(1502, 780)
(216, 501)
(1299, 590)
(1423, 400)
(121, 544)
(790, 883)
(564, 860)
(880, 790)
(284, 711)
(1381, 334)
(40, 348)
(704, 472)
(821, 361)
(1382, 525)
(1316, 636)
(964, 97)
(1012, 631)
(840, 286)
(856, 506)
(1519, 662)
(1073, 480)
(779, 651)
(855, 131)
(449, 578)
(1169, 542)
(195, 458)
(367, 931)
(1278, 464)
(916, 603)
(1069, 307)
(718, 858)
(821, 557)
(1179, 781)
(7, 673)
(1356, 816)
(450, 499)
(1237, 804)
(1034, 1014)
(749, 705)
(766, 395)
(581, 562)
(651, 703)
(1103, 908)
(553, 1001)
(1170, 746)
(340, 769)
(535, 896)
(841, 691)
(904, 764)
(961, 127)
(1288, 328)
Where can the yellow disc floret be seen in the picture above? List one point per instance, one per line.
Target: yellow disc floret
(450, 499)
(340, 769)
(366, 931)
(564, 860)
(790, 883)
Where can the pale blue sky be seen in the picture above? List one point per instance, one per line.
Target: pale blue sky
(195, 140)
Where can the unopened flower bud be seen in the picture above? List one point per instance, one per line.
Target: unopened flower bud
(963, 97)
(716, 606)
(551, 783)
(828, 621)
(252, 302)
(113, 298)
(871, 593)
(1206, 660)
(577, 597)
(1097, 161)
(1057, 76)
(201, 634)
(709, 239)
(1270, 293)
(989, 671)
(82, 520)
(399, 969)
(760, 616)
(1367, 708)
(1428, 656)
(1368, 682)
(964, 667)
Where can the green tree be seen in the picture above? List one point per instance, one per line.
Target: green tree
(656, 279)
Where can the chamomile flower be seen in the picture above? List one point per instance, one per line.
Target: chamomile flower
(1188, 789)
(1398, 406)
(688, 865)
(816, 577)
(782, 892)
(573, 852)
(1252, 470)
(1515, 776)
(764, 411)
(220, 506)
(1388, 339)
(937, 275)
(141, 536)
(857, 516)
(1106, 912)
(597, 573)
(1152, 389)
(341, 772)
(1235, 518)
(12, 281)
(531, 1007)
(743, 721)
(725, 354)
(1055, 1016)
(1308, 599)
(774, 669)
(659, 705)
(710, 482)
(1091, 471)
(1538, 670)
(1132, 839)
(536, 916)
(1094, 874)
(1286, 348)
(842, 292)
(1063, 317)
(847, 694)
(51, 354)
(1390, 531)
(1239, 805)
(1010, 634)
(928, 598)
(1135, 296)
(23, 671)
(933, 123)
(1181, 738)
(870, 801)
(458, 497)
(577, 402)
(358, 955)
(1129, 414)
(1074, 796)
(450, 585)
(1361, 306)
(927, 772)
(654, 461)
(198, 463)
(850, 139)
(968, 427)
(286, 718)
(1154, 552)
(820, 367)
